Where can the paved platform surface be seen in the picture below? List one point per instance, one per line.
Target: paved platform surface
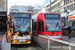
(2, 38)
(65, 38)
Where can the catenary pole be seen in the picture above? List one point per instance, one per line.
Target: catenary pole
(50, 6)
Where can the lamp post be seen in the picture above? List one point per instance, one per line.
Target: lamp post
(50, 6)
(7, 6)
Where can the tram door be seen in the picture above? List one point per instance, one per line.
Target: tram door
(3, 19)
(2, 26)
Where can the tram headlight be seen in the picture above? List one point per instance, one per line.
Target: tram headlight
(59, 36)
(29, 36)
(15, 36)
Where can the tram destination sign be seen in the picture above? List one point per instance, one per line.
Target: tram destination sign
(52, 16)
(21, 14)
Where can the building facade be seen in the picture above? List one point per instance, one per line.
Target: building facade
(65, 7)
(24, 9)
(2, 5)
(18, 9)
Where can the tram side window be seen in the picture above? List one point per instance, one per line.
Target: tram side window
(32, 24)
(39, 26)
(35, 26)
(42, 26)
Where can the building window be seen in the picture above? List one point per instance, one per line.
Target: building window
(56, 6)
(72, 0)
(68, 1)
(65, 2)
(73, 23)
(70, 7)
(65, 8)
(60, 10)
(56, 11)
(74, 6)
(48, 9)
(54, 1)
(59, 4)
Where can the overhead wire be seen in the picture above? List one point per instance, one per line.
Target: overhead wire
(39, 5)
(15, 2)
(18, 2)
(32, 3)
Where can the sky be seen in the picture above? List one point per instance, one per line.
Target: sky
(34, 3)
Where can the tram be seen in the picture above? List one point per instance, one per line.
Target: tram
(47, 24)
(19, 28)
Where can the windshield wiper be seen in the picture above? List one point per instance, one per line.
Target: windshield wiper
(51, 31)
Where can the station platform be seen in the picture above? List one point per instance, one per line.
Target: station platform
(32, 46)
(65, 38)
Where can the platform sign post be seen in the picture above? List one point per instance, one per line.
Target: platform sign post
(48, 43)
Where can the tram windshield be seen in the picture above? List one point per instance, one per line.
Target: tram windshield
(53, 24)
(21, 24)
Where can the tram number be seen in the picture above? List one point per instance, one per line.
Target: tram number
(21, 40)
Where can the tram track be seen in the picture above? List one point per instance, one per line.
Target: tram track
(23, 47)
(31, 46)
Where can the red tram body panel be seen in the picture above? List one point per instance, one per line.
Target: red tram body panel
(49, 24)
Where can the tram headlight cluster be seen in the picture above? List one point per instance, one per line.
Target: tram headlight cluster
(15, 36)
(28, 36)
(60, 35)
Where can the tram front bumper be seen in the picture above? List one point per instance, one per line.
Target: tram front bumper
(21, 38)
(59, 36)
